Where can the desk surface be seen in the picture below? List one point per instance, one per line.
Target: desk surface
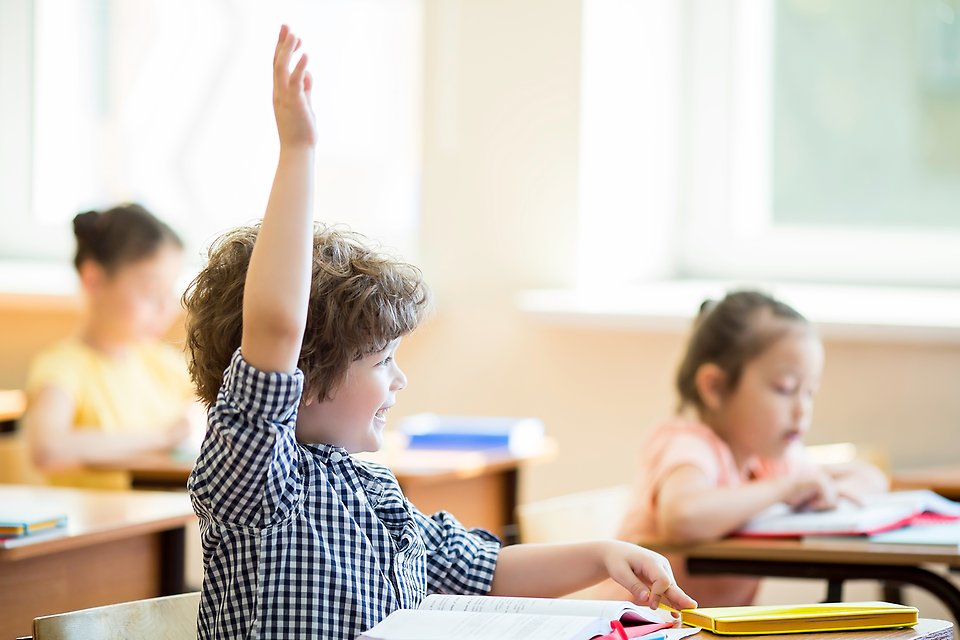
(926, 629)
(93, 517)
(832, 560)
(827, 550)
(411, 466)
(478, 487)
(945, 480)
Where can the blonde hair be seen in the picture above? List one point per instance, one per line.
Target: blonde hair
(360, 300)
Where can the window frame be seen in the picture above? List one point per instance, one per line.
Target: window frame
(727, 227)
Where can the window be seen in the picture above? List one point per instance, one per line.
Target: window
(835, 153)
(772, 140)
(168, 103)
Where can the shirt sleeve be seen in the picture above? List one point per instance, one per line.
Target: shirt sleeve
(248, 472)
(683, 448)
(459, 561)
(53, 369)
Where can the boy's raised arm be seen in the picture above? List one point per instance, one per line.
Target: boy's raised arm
(277, 286)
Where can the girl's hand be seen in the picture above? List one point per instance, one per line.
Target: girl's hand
(291, 94)
(646, 574)
(815, 491)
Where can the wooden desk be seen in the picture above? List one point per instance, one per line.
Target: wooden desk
(944, 480)
(118, 546)
(478, 487)
(831, 560)
(926, 629)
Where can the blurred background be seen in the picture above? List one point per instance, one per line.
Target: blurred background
(573, 176)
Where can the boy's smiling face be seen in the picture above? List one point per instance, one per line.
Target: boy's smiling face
(354, 418)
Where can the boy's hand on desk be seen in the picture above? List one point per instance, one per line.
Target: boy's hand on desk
(291, 94)
(646, 574)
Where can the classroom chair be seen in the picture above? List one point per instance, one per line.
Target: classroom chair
(164, 618)
(575, 517)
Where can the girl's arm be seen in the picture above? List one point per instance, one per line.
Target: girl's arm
(277, 287)
(57, 443)
(690, 508)
(552, 570)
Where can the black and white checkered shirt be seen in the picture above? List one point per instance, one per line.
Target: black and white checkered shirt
(304, 541)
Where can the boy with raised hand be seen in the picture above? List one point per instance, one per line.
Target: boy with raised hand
(301, 539)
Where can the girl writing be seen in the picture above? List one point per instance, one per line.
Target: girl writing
(114, 389)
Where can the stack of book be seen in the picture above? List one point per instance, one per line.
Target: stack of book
(23, 522)
(520, 436)
(493, 618)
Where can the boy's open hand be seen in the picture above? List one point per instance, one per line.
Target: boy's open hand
(647, 575)
(291, 94)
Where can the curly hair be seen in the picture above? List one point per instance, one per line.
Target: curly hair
(360, 300)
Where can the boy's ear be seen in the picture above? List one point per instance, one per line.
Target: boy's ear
(711, 382)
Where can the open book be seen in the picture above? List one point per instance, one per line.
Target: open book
(493, 618)
(801, 618)
(881, 512)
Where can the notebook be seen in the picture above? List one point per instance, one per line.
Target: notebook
(492, 618)
(882, 512)
(775, 619)
(520, 436)
(941, 534)
(25, 521)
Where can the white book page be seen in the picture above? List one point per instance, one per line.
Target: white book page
(419, 624)
(846, 518)
(920, 499)
(606, 609)
(677, 634)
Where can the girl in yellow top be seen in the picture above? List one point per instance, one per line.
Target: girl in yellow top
(114, 390)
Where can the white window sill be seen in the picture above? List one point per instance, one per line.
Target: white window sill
(857, 313)
(50, 286)
(38, 285)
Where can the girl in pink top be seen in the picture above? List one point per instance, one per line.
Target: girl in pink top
(746, 386)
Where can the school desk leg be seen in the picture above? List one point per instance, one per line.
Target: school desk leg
(834, 590)
(173, 552)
